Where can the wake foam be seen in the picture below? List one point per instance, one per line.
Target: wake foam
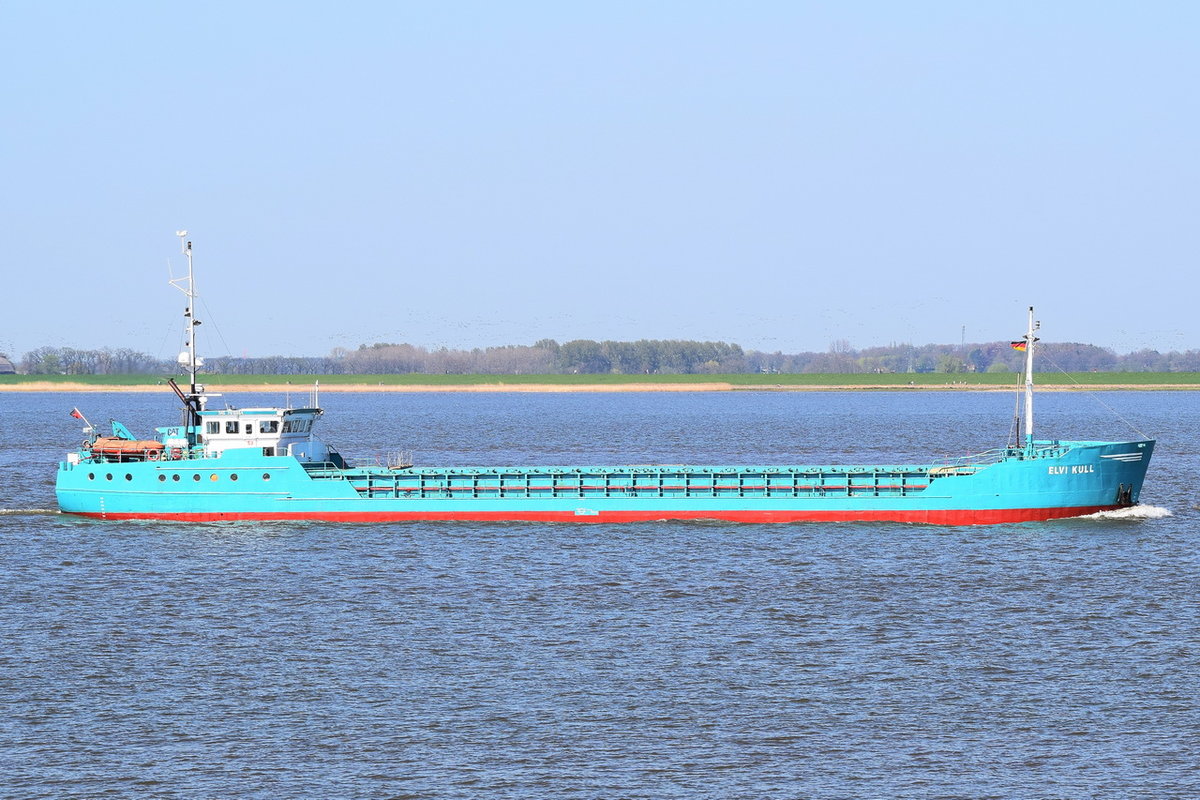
(1133, 512)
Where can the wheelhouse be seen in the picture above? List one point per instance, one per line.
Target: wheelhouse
(274, 431)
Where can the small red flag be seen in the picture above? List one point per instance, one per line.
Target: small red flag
(1018, 345)
(75, 413)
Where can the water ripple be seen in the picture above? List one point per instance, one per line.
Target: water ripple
(652, 661)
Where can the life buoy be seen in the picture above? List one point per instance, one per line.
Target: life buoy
(176, 452)
(152, 455)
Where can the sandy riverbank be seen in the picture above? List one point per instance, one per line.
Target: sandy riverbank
(75, 388)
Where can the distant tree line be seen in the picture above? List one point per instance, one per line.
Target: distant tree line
(643, 357)
(69, 361)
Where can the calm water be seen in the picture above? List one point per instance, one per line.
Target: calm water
(642, 661)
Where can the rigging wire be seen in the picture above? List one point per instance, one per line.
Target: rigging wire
(168, 332)
(1095, 397)
(172, 329)
(1014, 429)
(208, 315)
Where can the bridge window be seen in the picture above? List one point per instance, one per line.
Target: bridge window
(212, 427)
(231, 427)
(269, 426)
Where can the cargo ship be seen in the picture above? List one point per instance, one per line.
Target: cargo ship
(268, 464)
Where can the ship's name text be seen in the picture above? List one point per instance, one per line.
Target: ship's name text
(1078, 469)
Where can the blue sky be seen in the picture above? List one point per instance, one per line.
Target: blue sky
(781, 175)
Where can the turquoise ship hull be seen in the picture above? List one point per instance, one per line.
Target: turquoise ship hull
(266, 464)
(1045, 480)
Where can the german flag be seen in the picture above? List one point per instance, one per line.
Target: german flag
(1019, 346)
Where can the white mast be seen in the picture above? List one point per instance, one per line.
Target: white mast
(189, 289)
(1029, 340)
(194, 400)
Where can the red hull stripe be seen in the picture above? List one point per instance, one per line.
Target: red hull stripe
(992, 516)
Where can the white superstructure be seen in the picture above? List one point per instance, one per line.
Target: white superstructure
(274, 431)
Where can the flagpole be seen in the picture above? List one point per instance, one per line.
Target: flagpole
(77, 414)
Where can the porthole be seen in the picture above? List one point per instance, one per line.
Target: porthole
(213, 477)
(128, 477)
(266, 476)
(108, 476)
(91, 476)
(233, 477)
(162, 478)
(196, 477)
(175, 477)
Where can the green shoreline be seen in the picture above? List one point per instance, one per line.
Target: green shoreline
(986, 381)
